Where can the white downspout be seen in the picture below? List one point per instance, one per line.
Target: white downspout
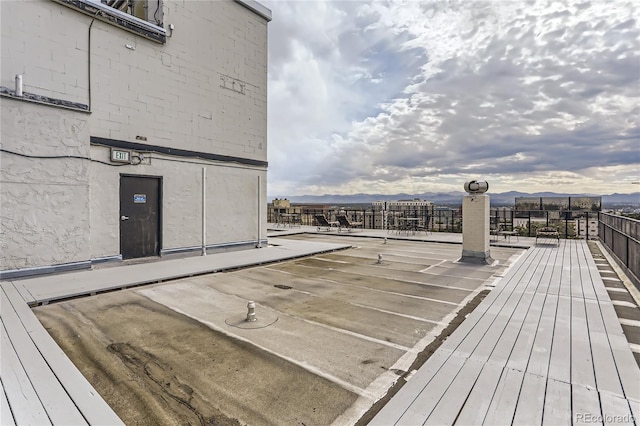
(204, 211)
(259, 215)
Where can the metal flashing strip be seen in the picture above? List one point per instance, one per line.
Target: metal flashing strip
(176, 152)
(43, 100)
(213, 248)
(256, 8)
(118, 18)
(42, 270)
(105, 259)
(52, 269)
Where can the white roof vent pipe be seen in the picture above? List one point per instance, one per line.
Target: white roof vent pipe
(476, 187)
(18, 85)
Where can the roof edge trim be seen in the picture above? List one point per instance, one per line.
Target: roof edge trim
(256, 7)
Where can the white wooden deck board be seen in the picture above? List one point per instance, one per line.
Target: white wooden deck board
(635, 410)
(521, 351)
(475, 408)
(88, 401)
(531, 401)
(6, 417)
(586, 279)
(448, 407)
(397, 406)
(488, 328)
(575, 277)
(585, 406)
(615, 410)
(425, 401)
(483, 340)
(497, 343)
(604, 366)
(599, 287)
(501, 337)
(24, 293)
(56, 402)
(581, 358)
(560, 361)
(627, 366)
(543, 343)
(492, 303)
(503, 405)
(557, 404)
(25, 405)
(559, 277)
(47, 288)
(540, 270)
(544, 281)
(548, 348)
(610, 318)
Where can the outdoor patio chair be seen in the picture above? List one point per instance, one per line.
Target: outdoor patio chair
(547, 232)
(322, 222)
(408, 225)
(493, 231)
(344, 222)
(505, 233)
(393, 225)
(424, 226)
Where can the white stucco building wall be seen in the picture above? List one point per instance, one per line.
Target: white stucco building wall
(44, 203)
(198, 100)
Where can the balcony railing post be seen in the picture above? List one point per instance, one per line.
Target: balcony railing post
(587, 228)
(627, 252)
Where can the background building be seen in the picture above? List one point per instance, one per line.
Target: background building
(415, 207)
(591, 204)
(133, 132)
(586, 227)
(575, 217)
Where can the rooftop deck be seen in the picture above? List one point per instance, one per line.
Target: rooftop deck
(545, 347)
(38, 383)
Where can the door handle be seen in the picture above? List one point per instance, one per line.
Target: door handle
(123, 217)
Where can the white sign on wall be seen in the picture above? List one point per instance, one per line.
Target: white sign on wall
(120, 156)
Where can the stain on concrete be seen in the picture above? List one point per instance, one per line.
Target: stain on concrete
(155, 366)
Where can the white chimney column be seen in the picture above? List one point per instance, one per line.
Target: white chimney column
(475, 228)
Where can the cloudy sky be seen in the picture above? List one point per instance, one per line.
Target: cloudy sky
(419, 96)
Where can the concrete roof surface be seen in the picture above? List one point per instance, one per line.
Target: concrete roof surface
(334, 332)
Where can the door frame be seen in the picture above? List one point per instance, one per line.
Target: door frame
(160, 180)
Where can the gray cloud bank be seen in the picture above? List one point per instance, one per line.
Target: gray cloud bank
(416, 96)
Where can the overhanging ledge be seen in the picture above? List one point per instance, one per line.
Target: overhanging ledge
(256, 7)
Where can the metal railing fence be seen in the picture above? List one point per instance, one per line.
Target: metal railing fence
(570, 224)
(622, 236)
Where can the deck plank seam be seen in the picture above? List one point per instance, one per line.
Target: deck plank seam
(521, 327)
(478, 314)
(559, 271)
(94, 401)
(510, 278)
(42, 356)
(552, 269)
(615, 362)
(472, 356)
(36, 405)
(491, 313)
(486, 359)
(514, 309)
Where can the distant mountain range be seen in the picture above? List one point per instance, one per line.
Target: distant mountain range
(499, 199)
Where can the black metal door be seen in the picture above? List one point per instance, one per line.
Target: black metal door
(139, 216)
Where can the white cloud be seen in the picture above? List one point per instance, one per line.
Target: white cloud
(387, 96)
